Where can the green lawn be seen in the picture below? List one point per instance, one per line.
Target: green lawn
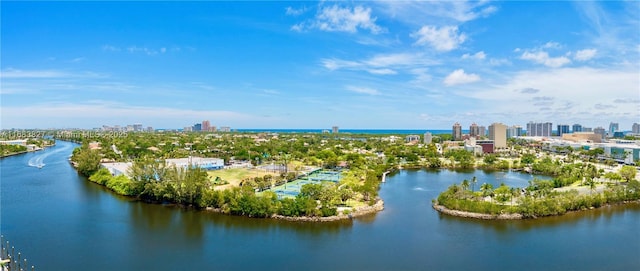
(235, 175)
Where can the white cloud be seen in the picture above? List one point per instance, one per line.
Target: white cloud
(12, 73)
(338, 19)
(380, 64)
(583, 88)
(77, 60)
(584, 55)
(422, 12)
(112, 48)
(552, 45)
(295, 11)
(270, 92)
(386, 60)
(363, 90)
(134, 49)
(298, 27)
(45, 74)
(445, 38)
(144, 50)
(479, 56)
(542, 57)
(382, 71)
(458, 77)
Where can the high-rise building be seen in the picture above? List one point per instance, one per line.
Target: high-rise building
(587, 129)
(539, 129)
(335, 129)
(187, 129)
(635, 128)
(601, 131)
(137, 127)
(457, 132)
(197, 127)
(206, 126)
(482, 130)
(518, 130)
(613, 127)
(474, 130)
(514, 131)
(576, 128)
(428, 138)
(563, 129)
(498, 133)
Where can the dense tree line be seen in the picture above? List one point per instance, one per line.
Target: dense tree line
(191, 187)
(537, 199)
(11, 149)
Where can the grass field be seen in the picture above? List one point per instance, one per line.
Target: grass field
(235, 175)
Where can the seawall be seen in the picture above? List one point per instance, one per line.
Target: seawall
(458, 213)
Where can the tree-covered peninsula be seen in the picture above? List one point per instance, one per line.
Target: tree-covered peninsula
(150, 179)
(578, 180)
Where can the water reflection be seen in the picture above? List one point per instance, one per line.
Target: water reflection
(567, 220)
(54, 215)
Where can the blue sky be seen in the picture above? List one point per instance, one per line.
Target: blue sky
(358, 65)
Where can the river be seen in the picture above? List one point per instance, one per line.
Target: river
(60, 221)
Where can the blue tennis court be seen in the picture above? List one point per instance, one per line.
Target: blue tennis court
(292, 189)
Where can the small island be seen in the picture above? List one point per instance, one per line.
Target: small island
(575, 187)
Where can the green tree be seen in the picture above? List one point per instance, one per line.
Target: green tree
(487, 189)
(527, 159)
(87, 161)
(628, 172)
(474, 180)
(465, 185)
(490, 159)
(503, 193)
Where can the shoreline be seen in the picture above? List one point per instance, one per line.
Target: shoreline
(14, 153)
(465, 214)
(458, 213)
(27, 151)
(358, 212)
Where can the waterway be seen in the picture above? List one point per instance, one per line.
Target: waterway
(60, 221)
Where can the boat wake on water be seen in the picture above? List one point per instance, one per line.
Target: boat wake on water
(38, 161)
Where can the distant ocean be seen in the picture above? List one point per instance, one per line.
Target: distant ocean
(352, 131)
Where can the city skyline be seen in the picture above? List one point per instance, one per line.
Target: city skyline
(356, 65)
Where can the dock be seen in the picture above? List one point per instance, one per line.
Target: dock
(384, 176)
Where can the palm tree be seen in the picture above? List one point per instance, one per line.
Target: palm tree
(465, 185)
(486, 189)
(514, 193)
(592, 186)
(474, 180)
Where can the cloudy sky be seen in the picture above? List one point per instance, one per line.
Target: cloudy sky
(358, 65)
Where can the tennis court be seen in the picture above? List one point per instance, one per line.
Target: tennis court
(292, 189)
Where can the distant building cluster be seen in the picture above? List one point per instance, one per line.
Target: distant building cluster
(478, 141)
(205, 126)
(137, 127)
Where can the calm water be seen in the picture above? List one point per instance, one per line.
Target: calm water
(60, 221)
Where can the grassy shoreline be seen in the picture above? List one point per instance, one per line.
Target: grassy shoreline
(458, 213)
(532, 203)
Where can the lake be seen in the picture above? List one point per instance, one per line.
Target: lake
(60, 221)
